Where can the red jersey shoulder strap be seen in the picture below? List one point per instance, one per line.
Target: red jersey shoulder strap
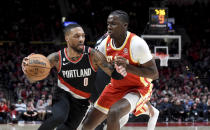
(108, 40)
(60, 61)
(90, 59)
(129, 39)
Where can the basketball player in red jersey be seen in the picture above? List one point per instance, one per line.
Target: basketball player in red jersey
(76, 68)
(132, 93)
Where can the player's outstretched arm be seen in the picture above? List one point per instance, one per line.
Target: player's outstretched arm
(99, 60)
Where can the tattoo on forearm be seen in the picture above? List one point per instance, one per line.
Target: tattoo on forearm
(53, 58)
(100, 59)
(107, 65)
(56, 58)
(95, 55)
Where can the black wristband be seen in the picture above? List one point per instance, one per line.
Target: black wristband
(116, 75)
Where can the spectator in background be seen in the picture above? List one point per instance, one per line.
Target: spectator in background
(207, 114)
(41, 109)
(49, 100)
(31, 103)
(30, 114)
(165, 109)
(204, 106)
(20, 107)
(187, 108)
(42, 99)
(13, 115)
(200, 107)
(3, 110)
(194, 113)
(178, 111)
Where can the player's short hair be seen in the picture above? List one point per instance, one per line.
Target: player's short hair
(69, 27)
(122, 15)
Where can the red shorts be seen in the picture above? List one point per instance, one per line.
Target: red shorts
(111, 95)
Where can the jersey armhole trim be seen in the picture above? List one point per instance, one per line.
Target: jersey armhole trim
(91, 64)
(60, 64)
(132, 35)
(107, 42)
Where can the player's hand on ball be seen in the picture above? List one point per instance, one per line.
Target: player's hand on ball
(120, 69)
(24, 64)
(36, 67)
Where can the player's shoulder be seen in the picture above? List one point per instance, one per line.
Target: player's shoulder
(137, 41)
(101, 46)
(55, 53)
(137, 38)
(101, 40)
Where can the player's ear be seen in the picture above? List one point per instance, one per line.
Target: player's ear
(66, 38)
(125, 25)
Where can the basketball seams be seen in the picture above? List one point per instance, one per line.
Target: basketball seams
(38, 66)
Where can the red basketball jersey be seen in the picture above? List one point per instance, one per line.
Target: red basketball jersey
(131, 80)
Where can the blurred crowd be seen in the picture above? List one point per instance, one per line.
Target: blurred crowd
(29, 20)
(21, 100)
(182, 93)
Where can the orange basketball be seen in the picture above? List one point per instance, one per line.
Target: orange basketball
(37, 67)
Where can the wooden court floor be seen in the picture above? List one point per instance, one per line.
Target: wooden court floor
(35, 127)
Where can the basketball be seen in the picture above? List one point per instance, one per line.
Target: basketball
(37, 67)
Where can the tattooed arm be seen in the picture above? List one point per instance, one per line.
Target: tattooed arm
(54, 60)
(99, 60)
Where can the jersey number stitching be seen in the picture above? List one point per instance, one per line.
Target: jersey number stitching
(85, 82)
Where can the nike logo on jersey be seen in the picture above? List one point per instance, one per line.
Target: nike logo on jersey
(65, 63)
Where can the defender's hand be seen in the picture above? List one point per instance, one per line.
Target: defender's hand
(121, 61)
(121, 70)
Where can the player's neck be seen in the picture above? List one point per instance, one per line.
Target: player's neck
(72, 54)
(118, 41)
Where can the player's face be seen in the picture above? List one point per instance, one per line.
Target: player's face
(75, 39)
(115, 26)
